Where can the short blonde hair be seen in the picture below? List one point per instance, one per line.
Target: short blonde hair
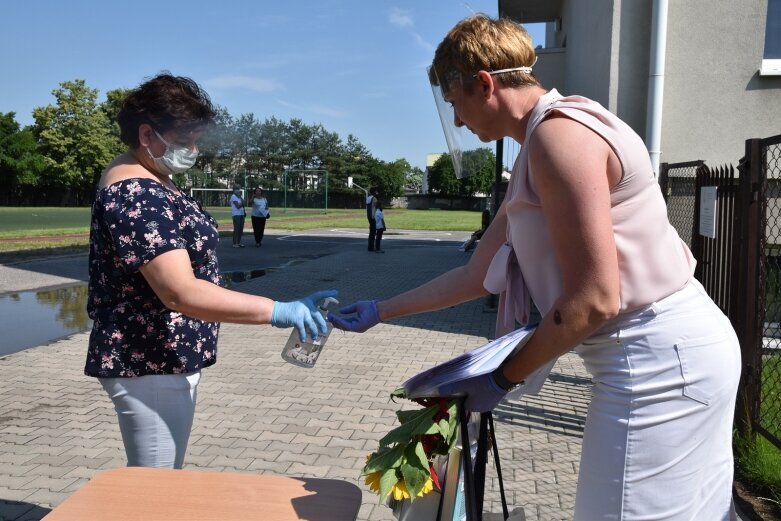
(483, 43)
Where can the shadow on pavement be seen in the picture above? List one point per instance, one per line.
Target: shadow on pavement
(21, 511)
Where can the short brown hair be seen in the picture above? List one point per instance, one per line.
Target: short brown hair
(165, 102)
(483, 43)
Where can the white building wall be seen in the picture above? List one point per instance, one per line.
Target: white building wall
(714, 96)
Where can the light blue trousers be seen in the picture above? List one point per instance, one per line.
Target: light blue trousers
(155, 415)
(658, 437)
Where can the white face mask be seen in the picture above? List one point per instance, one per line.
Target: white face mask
(175, 160)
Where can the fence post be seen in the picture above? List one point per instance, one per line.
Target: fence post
(702, 175)
(497, 177)
(664, 180)
(747, 321)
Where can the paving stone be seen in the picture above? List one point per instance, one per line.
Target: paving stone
(45, 482)
(257, 414)
(46, 498)
(291, 457)
(269, 467)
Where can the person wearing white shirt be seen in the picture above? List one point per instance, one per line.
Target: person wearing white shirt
(237, 212)
(259, 215)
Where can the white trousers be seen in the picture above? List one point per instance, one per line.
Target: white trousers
(155, 415)
(658, 437)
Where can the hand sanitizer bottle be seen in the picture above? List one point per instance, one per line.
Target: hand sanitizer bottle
(306, 353)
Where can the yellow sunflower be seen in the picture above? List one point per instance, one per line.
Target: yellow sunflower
(399, 490)
(428, 487)
(373, 481)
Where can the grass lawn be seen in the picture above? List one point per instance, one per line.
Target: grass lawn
(759, 462)
(770, 400)
(47, 228)
(395, 219)
(36, 222)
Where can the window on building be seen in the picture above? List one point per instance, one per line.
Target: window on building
(771, 60)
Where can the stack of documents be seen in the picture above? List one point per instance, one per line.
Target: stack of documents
(476, 363)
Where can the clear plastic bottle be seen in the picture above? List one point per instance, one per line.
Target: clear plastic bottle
(306, 354)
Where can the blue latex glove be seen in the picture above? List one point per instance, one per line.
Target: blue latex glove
(303, 314)
(482, 392)
(366, 316)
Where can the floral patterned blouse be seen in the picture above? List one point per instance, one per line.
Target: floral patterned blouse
(133, 333)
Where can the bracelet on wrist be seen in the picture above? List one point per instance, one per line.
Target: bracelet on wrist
(502, 381)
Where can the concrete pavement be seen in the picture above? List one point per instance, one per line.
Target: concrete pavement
(258, 414)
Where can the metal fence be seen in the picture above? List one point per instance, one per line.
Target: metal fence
(739, 264)
(717, 249)
(677, 184)
(767, 413)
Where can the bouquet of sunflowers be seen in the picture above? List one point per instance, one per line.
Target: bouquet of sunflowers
(402, 468)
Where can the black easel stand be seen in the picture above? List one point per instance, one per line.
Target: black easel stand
(474, 479)
(470, 491)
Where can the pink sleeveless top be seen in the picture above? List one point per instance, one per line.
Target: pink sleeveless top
(653, 261)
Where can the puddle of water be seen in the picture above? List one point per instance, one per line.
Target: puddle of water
(234, 277)
(34, 318)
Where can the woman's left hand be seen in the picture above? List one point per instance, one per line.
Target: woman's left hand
(482, 393)
(366, 315)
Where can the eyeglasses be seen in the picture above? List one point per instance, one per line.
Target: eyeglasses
(527, 70)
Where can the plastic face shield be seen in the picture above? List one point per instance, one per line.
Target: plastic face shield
(459, 141)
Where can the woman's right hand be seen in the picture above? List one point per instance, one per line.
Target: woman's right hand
(366, 316)
(303, 315)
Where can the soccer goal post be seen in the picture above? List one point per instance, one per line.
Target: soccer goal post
(213, 196)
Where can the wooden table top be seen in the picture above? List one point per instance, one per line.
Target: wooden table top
(149, 494)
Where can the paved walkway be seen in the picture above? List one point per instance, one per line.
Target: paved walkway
(258, 414)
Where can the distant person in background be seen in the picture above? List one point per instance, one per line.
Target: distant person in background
(155, 290)
(238, 214)
(371, 208)
(470, 243)
(379, 225)
(259, 215)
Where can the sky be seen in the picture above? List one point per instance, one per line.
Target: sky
(354, 66)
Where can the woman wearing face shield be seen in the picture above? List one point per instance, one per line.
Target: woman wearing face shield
(583, 233)
(156, 295)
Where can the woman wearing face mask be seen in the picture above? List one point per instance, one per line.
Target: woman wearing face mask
(155, 289)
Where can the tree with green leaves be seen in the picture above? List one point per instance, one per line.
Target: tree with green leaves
(21, 166)
(112, 106)
(442, 177)
(215, 154)
(392, 178)
(413, 177)
(481, 163)
(75, 137)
